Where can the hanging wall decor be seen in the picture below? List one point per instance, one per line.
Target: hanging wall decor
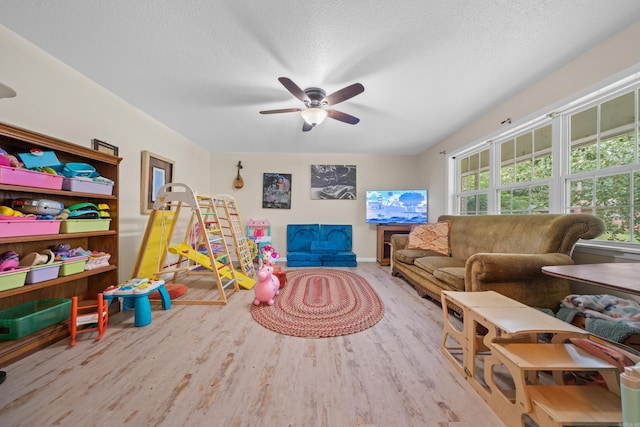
(333, 182)
(155, 172)
(238, 182)
(276, 191)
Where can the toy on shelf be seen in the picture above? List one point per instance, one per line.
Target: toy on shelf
(268, 285)
(268, 255)
(259, 231)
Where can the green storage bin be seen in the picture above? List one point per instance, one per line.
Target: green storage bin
(25, 319)
(71, 266)
(13, 278)
(84, 225)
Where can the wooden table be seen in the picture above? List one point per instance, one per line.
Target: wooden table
(618, 276)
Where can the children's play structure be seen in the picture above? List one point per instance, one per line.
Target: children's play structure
(213, 227)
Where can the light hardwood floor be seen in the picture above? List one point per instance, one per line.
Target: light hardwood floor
(199, 365)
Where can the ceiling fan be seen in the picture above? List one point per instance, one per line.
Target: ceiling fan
(315, 101)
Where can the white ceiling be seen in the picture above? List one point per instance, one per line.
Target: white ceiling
(205, 68)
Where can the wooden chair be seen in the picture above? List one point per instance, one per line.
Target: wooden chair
(88, 318)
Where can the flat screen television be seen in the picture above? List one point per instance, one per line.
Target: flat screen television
(396, 206)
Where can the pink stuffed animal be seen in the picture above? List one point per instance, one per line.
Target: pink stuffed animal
(268, 285)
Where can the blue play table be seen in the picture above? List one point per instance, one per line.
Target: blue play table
(135, 295)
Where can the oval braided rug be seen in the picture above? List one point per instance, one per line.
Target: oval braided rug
(321, 302)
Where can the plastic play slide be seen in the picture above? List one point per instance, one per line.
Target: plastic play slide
(224, 271)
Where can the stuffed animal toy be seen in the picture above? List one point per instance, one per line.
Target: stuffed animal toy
(268, 254)
(268, 285)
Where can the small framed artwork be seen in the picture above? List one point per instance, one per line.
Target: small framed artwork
(333, 182)
(155, 172)
(276, 191)
(103, 147)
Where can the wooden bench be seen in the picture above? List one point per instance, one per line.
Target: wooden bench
(571, 405)
(513, 341)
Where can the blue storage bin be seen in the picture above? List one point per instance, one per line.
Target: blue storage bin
(79, 169)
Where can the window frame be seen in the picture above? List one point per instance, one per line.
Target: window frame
(561, 176)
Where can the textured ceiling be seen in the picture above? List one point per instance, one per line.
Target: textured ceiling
(205, 68)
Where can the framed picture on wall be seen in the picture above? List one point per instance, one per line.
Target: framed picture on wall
(155, 172)
(333, 182)
(276, 191)
(103, 147)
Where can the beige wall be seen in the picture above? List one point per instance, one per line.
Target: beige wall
(56, 100)
(373, 172)
(611, 60)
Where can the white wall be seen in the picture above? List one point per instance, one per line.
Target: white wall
(611, 60)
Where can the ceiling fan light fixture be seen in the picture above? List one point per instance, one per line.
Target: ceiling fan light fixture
(314, 115)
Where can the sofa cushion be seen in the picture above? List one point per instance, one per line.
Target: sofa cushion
(320, 247)
(433, 263)
(452, 276)
(340, 234)
(336, 256)
(408, 256)
(433, 237)
(300, 236)
(304, 256)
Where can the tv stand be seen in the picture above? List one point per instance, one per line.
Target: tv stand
(383, 252)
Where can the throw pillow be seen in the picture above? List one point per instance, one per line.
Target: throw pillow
(430, 237)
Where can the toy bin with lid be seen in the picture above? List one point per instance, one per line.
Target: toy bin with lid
(25, 319)
(87, 185)
(84, 225)
(28, 178)
(12, 279)
(73, 265)
(78, 169)
(40, 273)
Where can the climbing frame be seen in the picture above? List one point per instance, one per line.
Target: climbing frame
(203, 249)
(231, 224)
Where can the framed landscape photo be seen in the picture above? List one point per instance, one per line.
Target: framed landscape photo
(155, 172)
(276, 191)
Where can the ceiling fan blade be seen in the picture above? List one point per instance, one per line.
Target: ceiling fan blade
(306, 127)
(344, 94)
(282, 110)
(294, 89)
(343, 117)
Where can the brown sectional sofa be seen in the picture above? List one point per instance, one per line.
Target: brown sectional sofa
(503, 253)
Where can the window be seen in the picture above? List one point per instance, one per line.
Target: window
(473, 183)
(582, 159)
(603, 166)
(525, 172)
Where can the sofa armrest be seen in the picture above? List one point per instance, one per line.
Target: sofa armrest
(399, 241)
(490, 267)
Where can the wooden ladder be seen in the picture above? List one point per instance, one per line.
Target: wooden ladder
(231, 225)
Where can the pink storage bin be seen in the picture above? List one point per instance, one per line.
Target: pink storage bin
(28, 178)
(25, 227)
(87, 186)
